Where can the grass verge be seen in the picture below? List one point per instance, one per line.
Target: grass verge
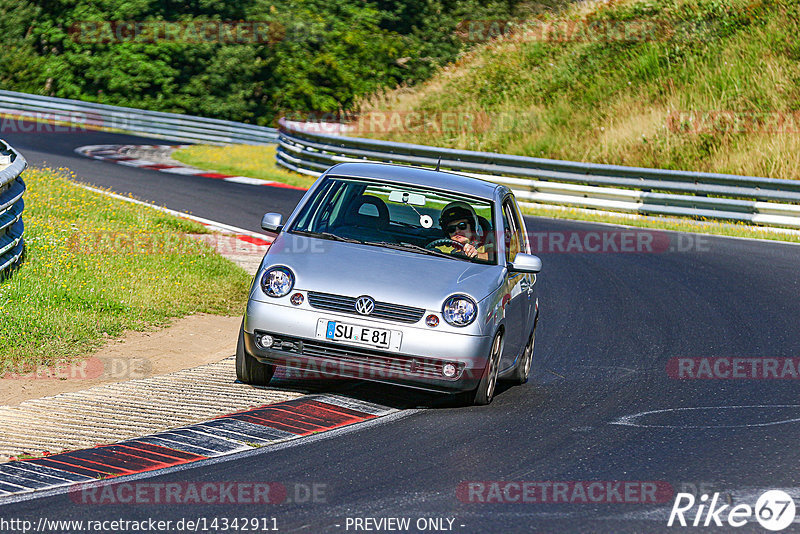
(701, 85)
(254, 161)
(97, 266)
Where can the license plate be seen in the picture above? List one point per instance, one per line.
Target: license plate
(374, 337)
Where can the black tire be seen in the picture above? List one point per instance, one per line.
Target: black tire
(523, 369)
(248, 369)
(484, 393)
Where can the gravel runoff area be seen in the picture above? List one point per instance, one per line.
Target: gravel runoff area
(114, 412)
(183, 374)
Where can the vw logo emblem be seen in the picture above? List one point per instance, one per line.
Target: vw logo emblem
(365, 305)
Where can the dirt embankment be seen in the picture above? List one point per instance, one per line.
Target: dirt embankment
(189, 342)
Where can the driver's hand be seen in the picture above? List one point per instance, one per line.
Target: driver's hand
(469, 249)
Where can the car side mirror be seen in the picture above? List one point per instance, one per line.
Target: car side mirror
(525, 263)
(272, 222)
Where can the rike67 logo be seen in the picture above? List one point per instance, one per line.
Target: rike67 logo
(774, 510)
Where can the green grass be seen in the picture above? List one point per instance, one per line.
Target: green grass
(669, 97)
(254, 161)
(97, 266)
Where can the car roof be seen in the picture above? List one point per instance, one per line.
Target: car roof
(404, 174)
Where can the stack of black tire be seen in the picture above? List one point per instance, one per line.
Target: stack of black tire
(12, 189)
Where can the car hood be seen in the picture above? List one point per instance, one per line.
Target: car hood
(386, 275)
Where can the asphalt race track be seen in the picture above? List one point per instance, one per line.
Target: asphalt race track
(617, 331)
(182, 193)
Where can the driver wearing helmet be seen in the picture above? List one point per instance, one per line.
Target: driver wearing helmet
(460, 224)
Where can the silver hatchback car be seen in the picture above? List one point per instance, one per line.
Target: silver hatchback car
(395, 274)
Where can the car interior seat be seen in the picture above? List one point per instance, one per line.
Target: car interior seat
(367, 211)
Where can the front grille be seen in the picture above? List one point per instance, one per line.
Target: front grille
(374, 363)
(383, 310)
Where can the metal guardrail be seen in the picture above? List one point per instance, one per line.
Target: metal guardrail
(12, 188)
(185, 128)
(541, 182)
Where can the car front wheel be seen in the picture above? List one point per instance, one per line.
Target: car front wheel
(485, 391)
(248, 369)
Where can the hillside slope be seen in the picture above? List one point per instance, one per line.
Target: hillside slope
(249, 60)
(705, 85)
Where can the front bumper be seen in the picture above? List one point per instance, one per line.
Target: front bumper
(419, 361)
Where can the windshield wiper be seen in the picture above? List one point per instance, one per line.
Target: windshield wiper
(328, 235)
(334, 237)
(412, 248)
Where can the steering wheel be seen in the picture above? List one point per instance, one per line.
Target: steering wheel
(445, 241)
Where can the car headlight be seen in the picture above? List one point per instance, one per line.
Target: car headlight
(459, 310)
(277, 281)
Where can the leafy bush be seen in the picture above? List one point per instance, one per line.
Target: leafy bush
(321, 55)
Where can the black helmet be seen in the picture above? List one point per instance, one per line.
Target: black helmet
(460, 210)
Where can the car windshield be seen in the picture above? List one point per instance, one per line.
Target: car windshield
(417, 219)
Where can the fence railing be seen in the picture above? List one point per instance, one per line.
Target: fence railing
(12, 188)
(186, 128)
(541, 182)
